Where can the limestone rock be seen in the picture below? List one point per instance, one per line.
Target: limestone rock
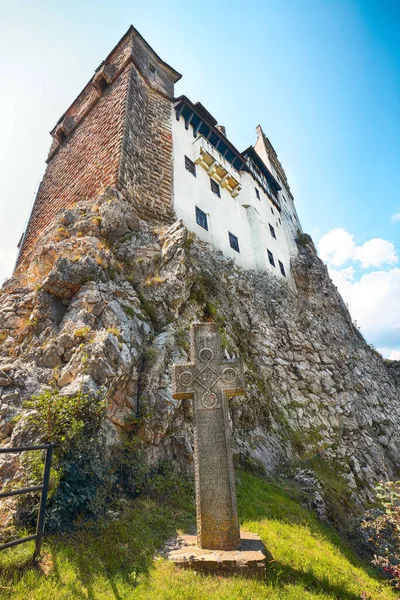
(106, 303)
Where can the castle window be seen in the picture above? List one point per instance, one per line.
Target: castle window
(271, 258)
(233, 241)
(282, 268)
(272, 210)
(257, 193)
(190, 166)
(215, 188)
(201, 218)
(61, 136)
(152, 68)
(272, 230)
(102, 84)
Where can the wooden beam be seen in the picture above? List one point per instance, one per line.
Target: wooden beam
(189, 120)
(197, 128)
(179, 110)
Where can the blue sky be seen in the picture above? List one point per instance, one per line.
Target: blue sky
(321, 76)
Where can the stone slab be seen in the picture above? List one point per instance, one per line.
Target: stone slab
(209, 379)
(250, 560)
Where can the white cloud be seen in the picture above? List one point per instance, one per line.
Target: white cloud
(373, 298)
(337, 247)
(395, 218)
(375, 253)
(390, 353)
(374, 303)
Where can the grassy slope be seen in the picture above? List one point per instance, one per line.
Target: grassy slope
(114, 561)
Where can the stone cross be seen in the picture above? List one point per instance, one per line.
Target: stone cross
(209, 379)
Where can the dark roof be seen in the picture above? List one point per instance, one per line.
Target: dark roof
(207, 115)
(176, 76)
(263, 167)
(204, 123)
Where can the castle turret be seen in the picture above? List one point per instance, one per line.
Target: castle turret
(116, 133)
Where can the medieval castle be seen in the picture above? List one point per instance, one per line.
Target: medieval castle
(170, 157)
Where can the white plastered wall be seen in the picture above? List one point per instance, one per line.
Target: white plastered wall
(246, 216)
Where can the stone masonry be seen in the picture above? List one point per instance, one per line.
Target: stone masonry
(117, 133)
(209, 380)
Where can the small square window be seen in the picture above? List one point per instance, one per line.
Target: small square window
(271, 258)
(61, 136)
(272, 230)
(102, 84)
(282, 268)
(234, 242)
(201, 218)
(257, 193)
(215, 188)
(190, 166)
(152, 68)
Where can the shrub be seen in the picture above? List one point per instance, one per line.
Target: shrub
(114, 331)
(66, 421)
(384, 529)
(303, 239)
(73, 423)
(154, 280)
(81, 332)
(129, 311)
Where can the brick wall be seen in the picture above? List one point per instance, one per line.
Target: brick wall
(118, 138)
(84, 165)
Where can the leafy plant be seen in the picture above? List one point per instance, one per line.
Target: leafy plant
(81, 332)
(182, 338)
(154, 280)
(128, 310)
(384, 528)
(66, 420)
(303, 239)
(114, 331)
(79, 474)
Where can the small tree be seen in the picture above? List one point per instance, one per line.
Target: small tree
(79, 471)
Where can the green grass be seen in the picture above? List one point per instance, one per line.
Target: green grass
(114, 561)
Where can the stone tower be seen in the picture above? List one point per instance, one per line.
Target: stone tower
(116, 133)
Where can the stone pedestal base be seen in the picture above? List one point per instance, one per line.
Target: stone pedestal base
(249, 560)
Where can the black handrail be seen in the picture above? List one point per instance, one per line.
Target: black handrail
(38, 536)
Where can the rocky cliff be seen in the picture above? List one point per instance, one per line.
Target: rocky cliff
(104, 305)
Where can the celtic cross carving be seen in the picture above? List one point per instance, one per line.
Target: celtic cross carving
(208, 373)
(209, 379)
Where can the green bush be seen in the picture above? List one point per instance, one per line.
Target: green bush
(67, 421)
(79, 472)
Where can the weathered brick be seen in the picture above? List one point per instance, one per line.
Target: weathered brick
(116, 137)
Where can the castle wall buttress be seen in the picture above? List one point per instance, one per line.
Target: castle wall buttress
(146, 169)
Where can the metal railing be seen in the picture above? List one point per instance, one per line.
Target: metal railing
(38, 536)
